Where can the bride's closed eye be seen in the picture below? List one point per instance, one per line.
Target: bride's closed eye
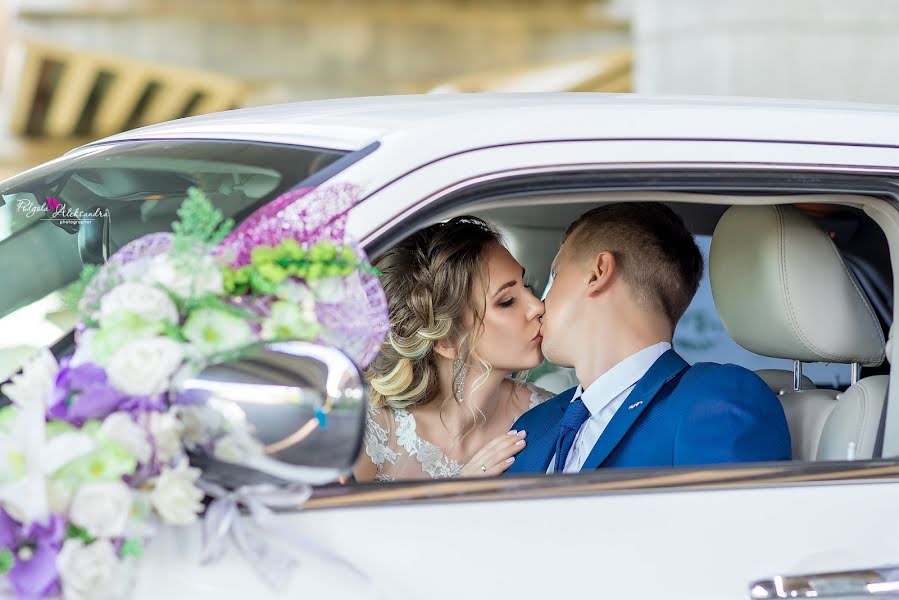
(511, 301)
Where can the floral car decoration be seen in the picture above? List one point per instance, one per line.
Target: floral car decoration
(94, 448)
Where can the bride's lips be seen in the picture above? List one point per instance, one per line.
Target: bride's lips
(537, 338)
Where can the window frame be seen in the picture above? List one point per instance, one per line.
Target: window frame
(506, 185)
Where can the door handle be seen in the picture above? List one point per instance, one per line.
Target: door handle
(882, 582)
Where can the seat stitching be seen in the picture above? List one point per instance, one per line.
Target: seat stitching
(791, 312)
(860, 435)
(782, 250)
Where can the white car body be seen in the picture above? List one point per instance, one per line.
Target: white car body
(687, 533)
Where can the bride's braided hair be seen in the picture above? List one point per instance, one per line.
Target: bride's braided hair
(428, 280)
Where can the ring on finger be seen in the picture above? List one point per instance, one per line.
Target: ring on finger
(484, 468)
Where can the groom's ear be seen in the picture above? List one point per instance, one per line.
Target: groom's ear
(602, 272)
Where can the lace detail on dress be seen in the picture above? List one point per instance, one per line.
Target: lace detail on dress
(392, 443)
(376, 447)
(538, 395)
(433, 461)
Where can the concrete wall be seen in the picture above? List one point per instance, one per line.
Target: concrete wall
(818, 49)
(315, 49)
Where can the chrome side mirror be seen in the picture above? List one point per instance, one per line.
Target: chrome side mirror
(304, 403)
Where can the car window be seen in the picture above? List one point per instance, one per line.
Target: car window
(701, 337)
(77, 210)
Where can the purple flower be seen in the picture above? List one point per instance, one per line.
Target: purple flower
(191, 397)
(138, 405)
(34, 548)
(83, 393)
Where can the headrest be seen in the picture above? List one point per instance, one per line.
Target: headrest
(782, 289)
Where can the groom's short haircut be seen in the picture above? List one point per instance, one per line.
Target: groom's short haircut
(654, 252)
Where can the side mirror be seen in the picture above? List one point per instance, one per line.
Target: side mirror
(304, 403)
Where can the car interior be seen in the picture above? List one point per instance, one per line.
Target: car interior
(138, 188)
(796, 288)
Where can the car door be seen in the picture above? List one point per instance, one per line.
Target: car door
(704, 532)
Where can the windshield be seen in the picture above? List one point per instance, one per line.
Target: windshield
(80, 209)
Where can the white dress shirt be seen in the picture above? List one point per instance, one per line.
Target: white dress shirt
(603, 398)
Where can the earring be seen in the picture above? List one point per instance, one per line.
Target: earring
(461, 371)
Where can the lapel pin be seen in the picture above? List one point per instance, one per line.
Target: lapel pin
(635, 405)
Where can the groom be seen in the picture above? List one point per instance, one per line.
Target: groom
(623, 277)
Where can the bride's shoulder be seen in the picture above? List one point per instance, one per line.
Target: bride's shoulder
(528, 395)
(380, 417)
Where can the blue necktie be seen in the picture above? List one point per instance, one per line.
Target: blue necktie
(575, 415)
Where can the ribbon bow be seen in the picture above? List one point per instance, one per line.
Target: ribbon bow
(257, 535)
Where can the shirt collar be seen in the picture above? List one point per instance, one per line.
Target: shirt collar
(619, 378)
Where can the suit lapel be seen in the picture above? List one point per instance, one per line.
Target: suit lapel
(541, 444)
(661, 372)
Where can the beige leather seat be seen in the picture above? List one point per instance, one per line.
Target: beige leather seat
(782, 290)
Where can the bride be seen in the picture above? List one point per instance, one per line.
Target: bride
(462, 321)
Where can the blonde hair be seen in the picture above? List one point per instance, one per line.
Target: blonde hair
(429, 281)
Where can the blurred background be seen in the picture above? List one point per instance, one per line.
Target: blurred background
(76, 70)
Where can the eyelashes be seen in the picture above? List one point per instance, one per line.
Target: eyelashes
(511, 301)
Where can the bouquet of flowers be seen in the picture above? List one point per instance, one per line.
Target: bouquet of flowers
(94, 449)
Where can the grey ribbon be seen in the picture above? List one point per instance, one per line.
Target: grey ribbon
(258, 536)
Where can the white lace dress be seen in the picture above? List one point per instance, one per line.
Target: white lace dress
(398, 453)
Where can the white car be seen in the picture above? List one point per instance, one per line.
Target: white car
(817, 287)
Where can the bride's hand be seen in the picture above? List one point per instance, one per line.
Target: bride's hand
(496, 456)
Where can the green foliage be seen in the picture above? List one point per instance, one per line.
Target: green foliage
(270, 266)
(200, 222)
(214, 302)
(71, 294)
(132, 547)
(73, 532)
(7, 561)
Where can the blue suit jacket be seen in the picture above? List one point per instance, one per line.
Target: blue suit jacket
(675, 415)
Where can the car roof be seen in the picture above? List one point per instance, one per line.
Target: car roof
(495, 119)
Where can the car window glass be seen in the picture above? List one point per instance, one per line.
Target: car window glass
(51, 217)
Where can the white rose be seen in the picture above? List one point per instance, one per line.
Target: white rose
(166, 431)
(35, 382)
(143, 367)
(193, 366)
(192, 280)
(135, 270)
(236, 447)
(329, 290)
(120, 428)
(198, 423)
(83, 349)
(294, 291)
(175, 497)
(86, 571)
(101, 508)
(149, 303)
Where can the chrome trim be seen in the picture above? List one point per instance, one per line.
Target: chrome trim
(881, 582)
(584, 167)
(605, 482)
(797, 375)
